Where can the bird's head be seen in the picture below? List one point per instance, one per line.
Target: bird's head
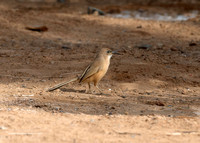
(107, 52)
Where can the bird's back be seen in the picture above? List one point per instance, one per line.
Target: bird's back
(95, 71)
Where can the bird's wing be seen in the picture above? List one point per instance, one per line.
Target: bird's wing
(89, 71)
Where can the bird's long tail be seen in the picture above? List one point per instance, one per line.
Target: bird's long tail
(62, 84)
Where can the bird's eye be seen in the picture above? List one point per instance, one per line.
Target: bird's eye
(108, 51)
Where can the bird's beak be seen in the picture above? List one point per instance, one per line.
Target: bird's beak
(115, 52)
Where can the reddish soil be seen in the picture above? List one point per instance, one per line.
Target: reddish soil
(151, 91)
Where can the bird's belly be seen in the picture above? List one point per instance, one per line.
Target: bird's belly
(96, 77)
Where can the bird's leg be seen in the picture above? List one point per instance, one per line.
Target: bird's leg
(101, 92)
(89, 88)
(99, 89)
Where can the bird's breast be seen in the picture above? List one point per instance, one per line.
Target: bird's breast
(105, 65)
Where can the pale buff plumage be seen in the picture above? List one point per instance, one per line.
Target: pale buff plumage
(94, 72)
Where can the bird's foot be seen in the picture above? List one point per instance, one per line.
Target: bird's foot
(88, 92)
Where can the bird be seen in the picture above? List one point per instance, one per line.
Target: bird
(94, 72)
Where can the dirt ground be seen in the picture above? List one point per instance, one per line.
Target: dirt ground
(151, 91)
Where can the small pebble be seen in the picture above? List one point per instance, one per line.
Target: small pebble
(110, 113)
(3, 128)
(28, 95)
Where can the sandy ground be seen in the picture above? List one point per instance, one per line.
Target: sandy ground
(151, 91)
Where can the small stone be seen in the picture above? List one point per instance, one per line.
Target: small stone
(37, 28)
(126, 113)
(57, 108)
(3, 128)
(93, 10)
(160, 46)
(173, 49)
(112, 107)
(31, 95)
(43, 80)
(66, 47)
(23, 86)
(110, 113)
(144, 46)
(192, 44)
